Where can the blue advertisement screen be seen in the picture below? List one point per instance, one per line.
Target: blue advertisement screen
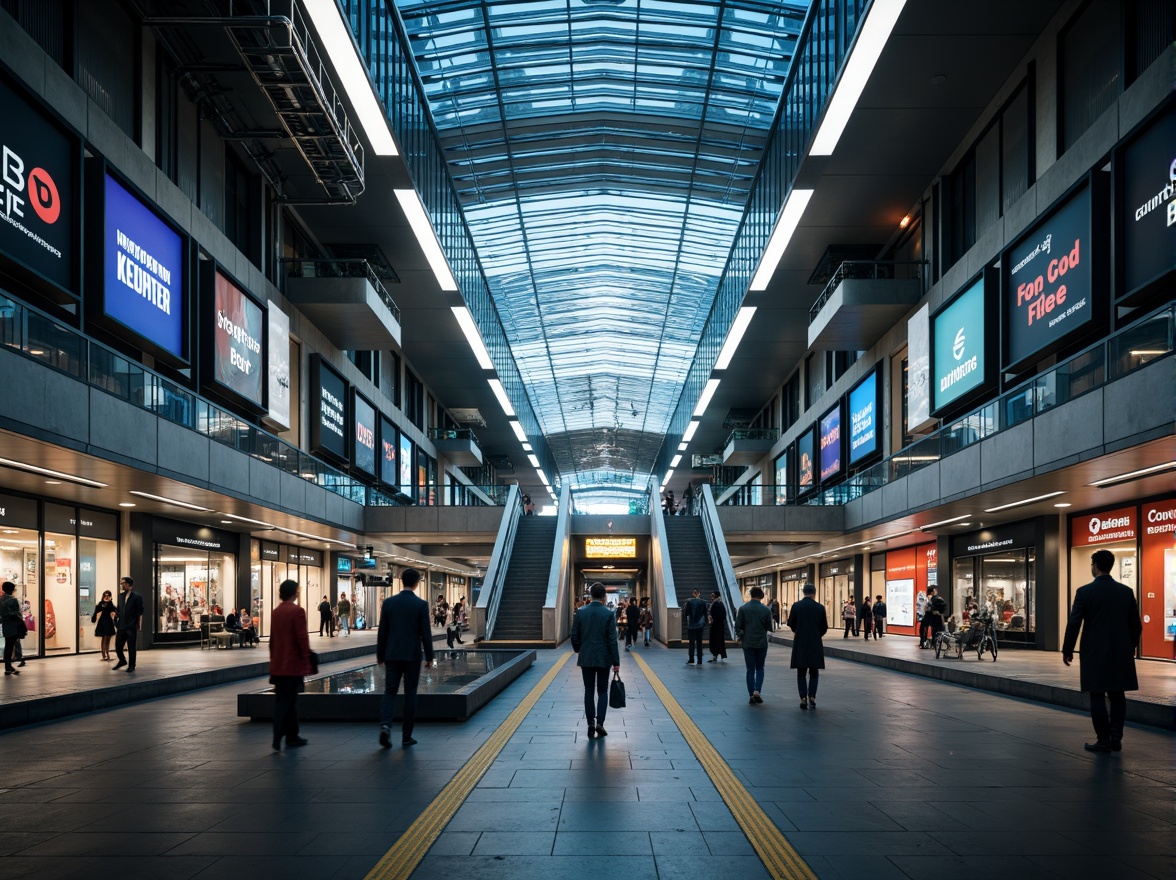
(143, 282)
(405, 464)
(863, 419)
(830, 431)
(958, 347)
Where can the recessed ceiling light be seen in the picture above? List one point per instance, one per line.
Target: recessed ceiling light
(46, 472)
(1024, 501)
(126, 504)
(53, 482)
(172, 501)
(944, 522)
(1063, 504)
(1134, 475)
(226, 522)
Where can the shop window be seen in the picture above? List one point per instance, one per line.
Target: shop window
(1089, 74)
(19, 552)
(790, 402)
(813, 385)
(190, 585)
(1004, 584)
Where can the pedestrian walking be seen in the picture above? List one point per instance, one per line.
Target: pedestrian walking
(103, 617)
(646, 619)
(1106, 613)
(594, 638)
(753, 622)
(632, 623)
(694, 612)
(879, 618)
(326, 618)
(290, 663)
(404, 640)
(11, 624)
(718, 629)
(934, 618)
(128, 622)
(809, 623)
(849, 615)
(344, 609)
(866, 618)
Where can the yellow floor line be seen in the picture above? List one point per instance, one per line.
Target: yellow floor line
(404, 856)
(777, 854)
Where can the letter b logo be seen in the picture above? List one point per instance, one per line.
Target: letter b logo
(43, 195)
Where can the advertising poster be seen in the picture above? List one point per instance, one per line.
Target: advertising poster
(38, 190)
(238, 333)
(1157, 600)
(958, 334)
(1049, 285)
(830, 432)
(782, 478)
(919, 369)
(364, 434)
(278, 345)
(1148, 213)
(405, 464)
(328, 410)
(863, 418)
(804, 460)
(899, 606)
(388, 438)
(144, 271)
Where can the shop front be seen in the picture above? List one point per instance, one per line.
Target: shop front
(838, 582)
(61, 558)
(271, 563)
(998, 569)
(901, 577)
(792, 581)
(194, 577)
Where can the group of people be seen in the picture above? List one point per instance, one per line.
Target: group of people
(636, 618)
(341, 618)
(867, 620)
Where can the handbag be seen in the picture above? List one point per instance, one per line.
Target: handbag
(314, 661)
(22, 629)
(616, 692)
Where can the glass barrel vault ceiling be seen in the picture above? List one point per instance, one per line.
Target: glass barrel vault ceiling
(603, 151)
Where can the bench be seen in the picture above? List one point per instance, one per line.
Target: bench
(223, 639)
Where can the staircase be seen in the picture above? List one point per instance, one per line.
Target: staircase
(690, 561)
(520, 610)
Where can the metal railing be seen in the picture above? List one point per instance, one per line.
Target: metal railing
(869, 270)
(352, 267)
(771, 434)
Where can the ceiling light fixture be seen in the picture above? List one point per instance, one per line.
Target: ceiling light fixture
(1134, 475)
(682, 446)
(46, 472)
(542, 476)
(1063, 504)
(944, 522)
(707, 393)
(503, 400)
(534, 459)
(666, 478)
(527, 447)
(688, 435)
(870, 42)
(418, 219)
(336, 39)
(255, 522)
(735, 336)
(675, 460)
(518, 431)
(126, 504)
(172, 501)
(1023, 501)
(785, 226)
(466, 321)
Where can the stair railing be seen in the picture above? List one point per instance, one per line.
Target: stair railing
(728, 585)
(557, 613)
(486, 609)
(667, 614)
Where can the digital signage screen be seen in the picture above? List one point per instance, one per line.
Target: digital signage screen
(806, 472)
(38, 191)
(238, 351)
(143, 283)
(1147, 214)
(405, 464)
(328, 410)
(388, 439)
(829, 430)
(959, 347)
(278, 355)
(1049, 290)
(363, 418)
(781, 470)
(863, 418)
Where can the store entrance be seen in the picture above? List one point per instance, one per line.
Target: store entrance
(1004, 584)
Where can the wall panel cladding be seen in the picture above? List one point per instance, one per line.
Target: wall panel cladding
(183, 452)
(106, 61)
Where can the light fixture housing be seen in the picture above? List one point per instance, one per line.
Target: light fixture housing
(704, 399)
(675, 460)
(688, 434)
(944, 522)
(1024, 501)
(175, 502)
(782, 232)
(422, 228)
(1134, 475)
(466, 321)
(735, 336)
(503, 400)
(46, 472)
(518, 430)
(534, 459)
(682, 446)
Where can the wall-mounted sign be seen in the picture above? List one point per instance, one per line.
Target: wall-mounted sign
(238, 332)
(863, 417)
(38, 190)
(919, 369)
(388, 447)
(1048, 289)
(781, 470)
(995, 540)
(405, 464)
(143, 283)
(959, 349)
(18, 512)
(363, 418)
(328, 410)
(278, 351)
(829, 430)
(1108, 527)
(805, 463)
(1147, 212)
(610, 548)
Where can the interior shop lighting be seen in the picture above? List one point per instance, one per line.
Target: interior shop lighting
(1135, 475)
(675, 460)
(335, 36)
(944, 522)
(46, 472)
(418, 219)
(707, 393)
(688, 435)
(473, 337)
(1024, 501)
(175, 502)
(735, 336)
(785, 226)
(518, 431)
(868, 46)
(503, 400)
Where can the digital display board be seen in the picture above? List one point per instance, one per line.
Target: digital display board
(781, 470)
(863, 418)
(829, 430)
(918, 377)
(363, 418)
(38, 190)
(610, 548)
(1048, 291)
(959, 347)
(1147, 215)
(388, 438)
(405, 464)
(805, 463)
(143, 282)
(278, 354)
(328, 410)
(238, 354)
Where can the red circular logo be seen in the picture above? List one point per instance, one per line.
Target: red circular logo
(43, 195)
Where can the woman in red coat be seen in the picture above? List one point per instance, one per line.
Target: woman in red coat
(289, 664)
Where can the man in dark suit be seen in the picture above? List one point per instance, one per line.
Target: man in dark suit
(126, 628)
(594, 638)
(807, 619)
(1108, 616)
(404, 634)
(694, 613)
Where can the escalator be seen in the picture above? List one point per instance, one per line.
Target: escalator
(690, 562)
(519, 617)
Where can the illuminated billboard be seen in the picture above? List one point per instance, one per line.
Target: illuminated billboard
(864, 418)
(959, 347)
(238, 353)
(610, 548)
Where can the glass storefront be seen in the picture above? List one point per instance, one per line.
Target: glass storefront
(194, 576)
(273, 563)
(835, 586)
(997, 570)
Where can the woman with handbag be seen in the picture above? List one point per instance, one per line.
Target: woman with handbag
(103, 616)
(12, 625)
